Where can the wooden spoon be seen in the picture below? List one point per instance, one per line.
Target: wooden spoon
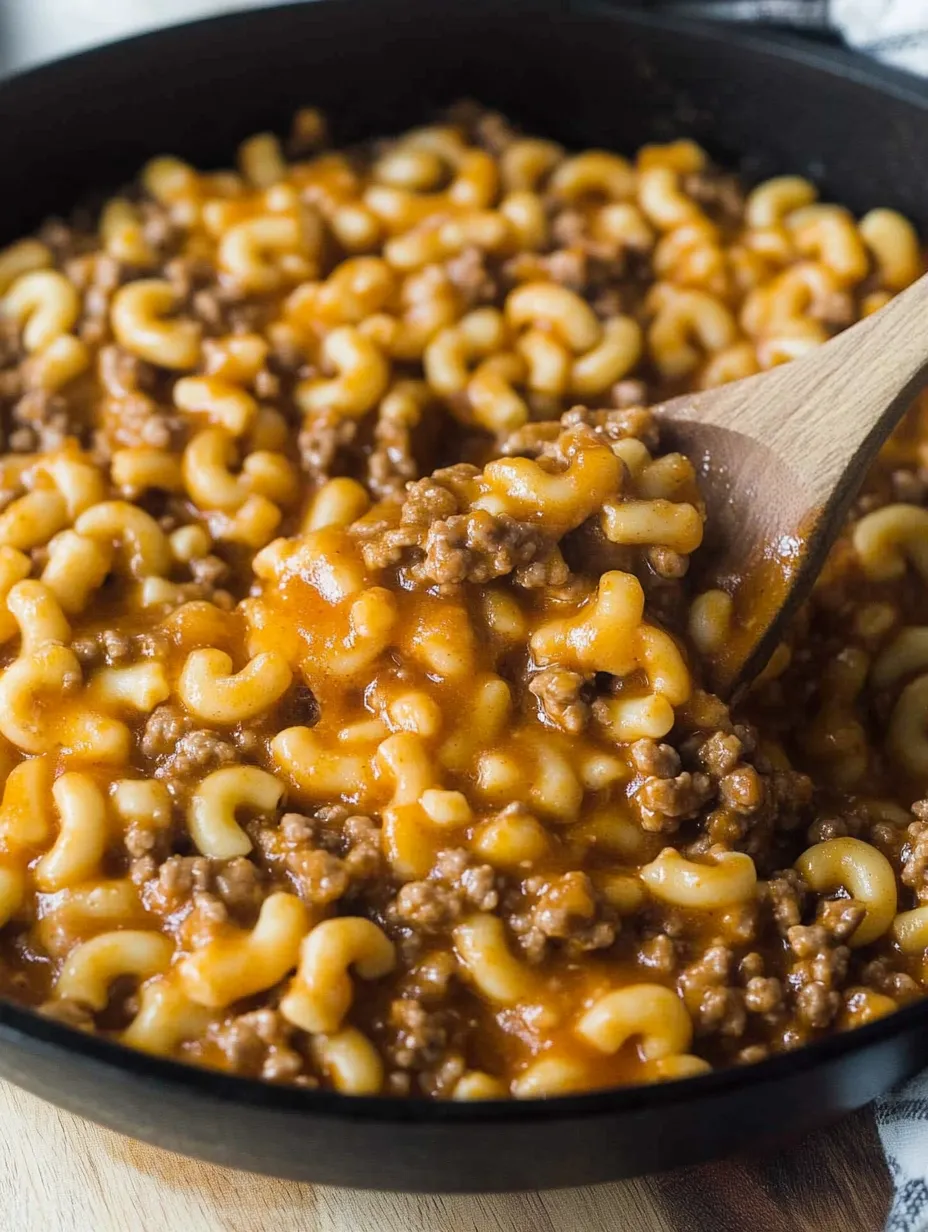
(780, 458)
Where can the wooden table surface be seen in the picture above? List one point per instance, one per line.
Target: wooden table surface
(59, 1173)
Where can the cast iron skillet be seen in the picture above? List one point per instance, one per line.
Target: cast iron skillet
(588, 74)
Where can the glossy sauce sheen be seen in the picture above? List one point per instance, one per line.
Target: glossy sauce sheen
(455, 816)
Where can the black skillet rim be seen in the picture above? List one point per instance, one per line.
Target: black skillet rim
(34, 1033)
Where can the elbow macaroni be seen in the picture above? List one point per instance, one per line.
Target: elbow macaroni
(320, 995)
(354, 723)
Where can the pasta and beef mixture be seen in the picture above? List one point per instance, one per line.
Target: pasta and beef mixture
(354, 716)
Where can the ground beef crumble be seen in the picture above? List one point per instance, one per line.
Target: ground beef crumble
(457, 883)
(196, 754)
(561, 695)
(757, 977)
(564, 911)
(915, 853)
(260, 1043)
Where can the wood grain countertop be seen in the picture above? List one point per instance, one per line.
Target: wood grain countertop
(59, 1173)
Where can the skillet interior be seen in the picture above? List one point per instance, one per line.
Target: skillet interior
(586, 74)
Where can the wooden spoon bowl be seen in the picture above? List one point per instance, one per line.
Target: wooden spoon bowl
(781, 456)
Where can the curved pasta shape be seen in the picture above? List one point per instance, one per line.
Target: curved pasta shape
(625, 719)
(32, 519)
(20, 258)
(321, 992)
(494, 403)
(734, 363)
(77, 479)
(447, 356)
(339, 502)
(226, 405)
(710, 620)
(511, 841)
(410, 841)
(592, 173)
(769, 203)
(662, 200)
(893, 243)
(784, 305)
(907, 733)
(887, 538)
(136, 689)
(488, 230)
(77, 566)
(670, 524)
(475, 1084)
(170, 180)
(405, 759)
(906, 654)
(45, 303)
(528, 222)
(829, 233)
(608, 634)
(372, 618)
(672, 1068)
(319, 773)
(142, 800)
(14, 566)
(864, 872)
(731, 878)
(548, 304)
(144, 544)
(623, 227)
(241, 963)
(547, 360)
(910, 930)
(445, 808)
(91, 968)
(350, 1062)
(355, 290)
(76, 730)
(482, 949)
(91, 907)
(82, 838)
(650, 1012)
(253, 525)
(254, 252)
(37, 612)
(139, 317)
(212, 484)
(210, 689)
(12, 891)
(165, 1018)
(25, 809)
(551, 1076)
(560, 500)
(489, 707)
(261, 160)
(525, 162)
(122, 234)
(363, 375)
(685, 316)
(609, 361)
(211, 813)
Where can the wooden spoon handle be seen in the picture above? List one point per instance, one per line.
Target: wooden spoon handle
(844, 399)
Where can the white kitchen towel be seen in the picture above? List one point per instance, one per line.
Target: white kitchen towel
(895, 31)
(902, 1119)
